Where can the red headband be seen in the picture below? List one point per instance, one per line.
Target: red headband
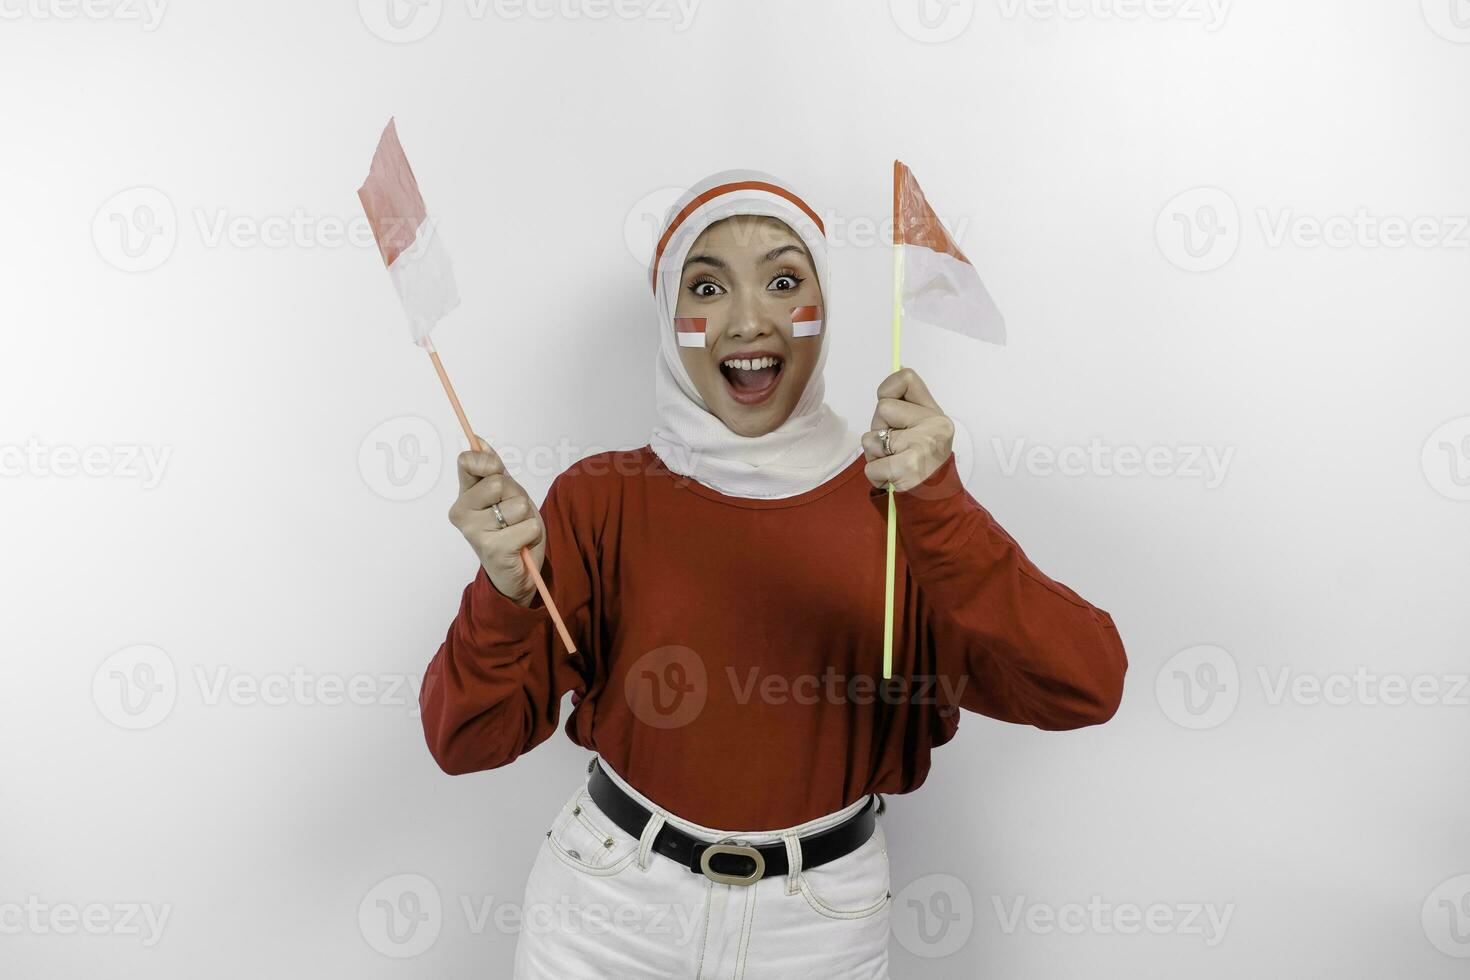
(714, 192)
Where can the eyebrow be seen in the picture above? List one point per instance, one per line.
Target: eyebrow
(719, 263)
(781, 250)
(707, 260)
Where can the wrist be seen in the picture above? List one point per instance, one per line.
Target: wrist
(523, 601)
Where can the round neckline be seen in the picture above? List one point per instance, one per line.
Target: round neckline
(842, 478)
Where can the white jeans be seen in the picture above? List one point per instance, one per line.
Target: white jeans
(601, 905)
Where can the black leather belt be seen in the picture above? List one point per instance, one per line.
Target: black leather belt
(730, 863)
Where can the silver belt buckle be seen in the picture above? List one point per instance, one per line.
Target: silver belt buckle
(726, 848)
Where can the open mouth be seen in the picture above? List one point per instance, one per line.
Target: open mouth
(751, 380)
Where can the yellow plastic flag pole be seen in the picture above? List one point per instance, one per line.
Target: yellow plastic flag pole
(892, 507)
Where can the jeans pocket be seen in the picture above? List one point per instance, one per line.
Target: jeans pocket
(855, 885)
(586, 839)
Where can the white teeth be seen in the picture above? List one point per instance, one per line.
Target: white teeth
(751, 363)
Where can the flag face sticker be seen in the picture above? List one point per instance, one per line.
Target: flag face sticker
(806, 321)
(416, 259)
(689, 330)
(940, 285)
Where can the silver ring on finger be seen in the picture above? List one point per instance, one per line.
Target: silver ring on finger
(883, 437)
(500, 520)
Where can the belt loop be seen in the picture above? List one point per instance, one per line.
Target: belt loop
(793, 862)
(645, 842)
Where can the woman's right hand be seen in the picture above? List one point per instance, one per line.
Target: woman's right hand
(483, 481)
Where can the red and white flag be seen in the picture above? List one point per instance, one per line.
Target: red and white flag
(689, 330)
(417, 261)
(806, 321)
(940, 286)
(421, 273)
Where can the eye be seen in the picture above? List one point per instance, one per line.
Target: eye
(698, 287)
(790, 278)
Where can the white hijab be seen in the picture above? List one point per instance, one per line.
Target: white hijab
(814, 444)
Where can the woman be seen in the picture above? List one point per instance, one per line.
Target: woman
(724, 586)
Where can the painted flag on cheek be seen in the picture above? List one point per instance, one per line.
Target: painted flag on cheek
(940, 286)
(689, 330)
(806, 321)
(407, 239)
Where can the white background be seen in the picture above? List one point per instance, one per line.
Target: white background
(1139, 186)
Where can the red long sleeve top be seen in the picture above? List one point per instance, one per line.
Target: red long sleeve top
(729, 650)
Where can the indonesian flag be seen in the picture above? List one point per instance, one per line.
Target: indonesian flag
(416, 259)
(940, 285)
(689, 330)
(806, 321)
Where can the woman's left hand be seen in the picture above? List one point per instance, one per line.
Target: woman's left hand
(921, 436)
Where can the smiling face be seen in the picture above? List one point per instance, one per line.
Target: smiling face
(744, 274)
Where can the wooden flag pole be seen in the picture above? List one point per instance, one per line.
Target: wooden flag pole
(892, 506)
(464, 423)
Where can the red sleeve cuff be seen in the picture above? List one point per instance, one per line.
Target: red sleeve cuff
(936, 518)
(492, 609)
(942, 486)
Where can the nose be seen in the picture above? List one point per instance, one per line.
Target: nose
(750, 315)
